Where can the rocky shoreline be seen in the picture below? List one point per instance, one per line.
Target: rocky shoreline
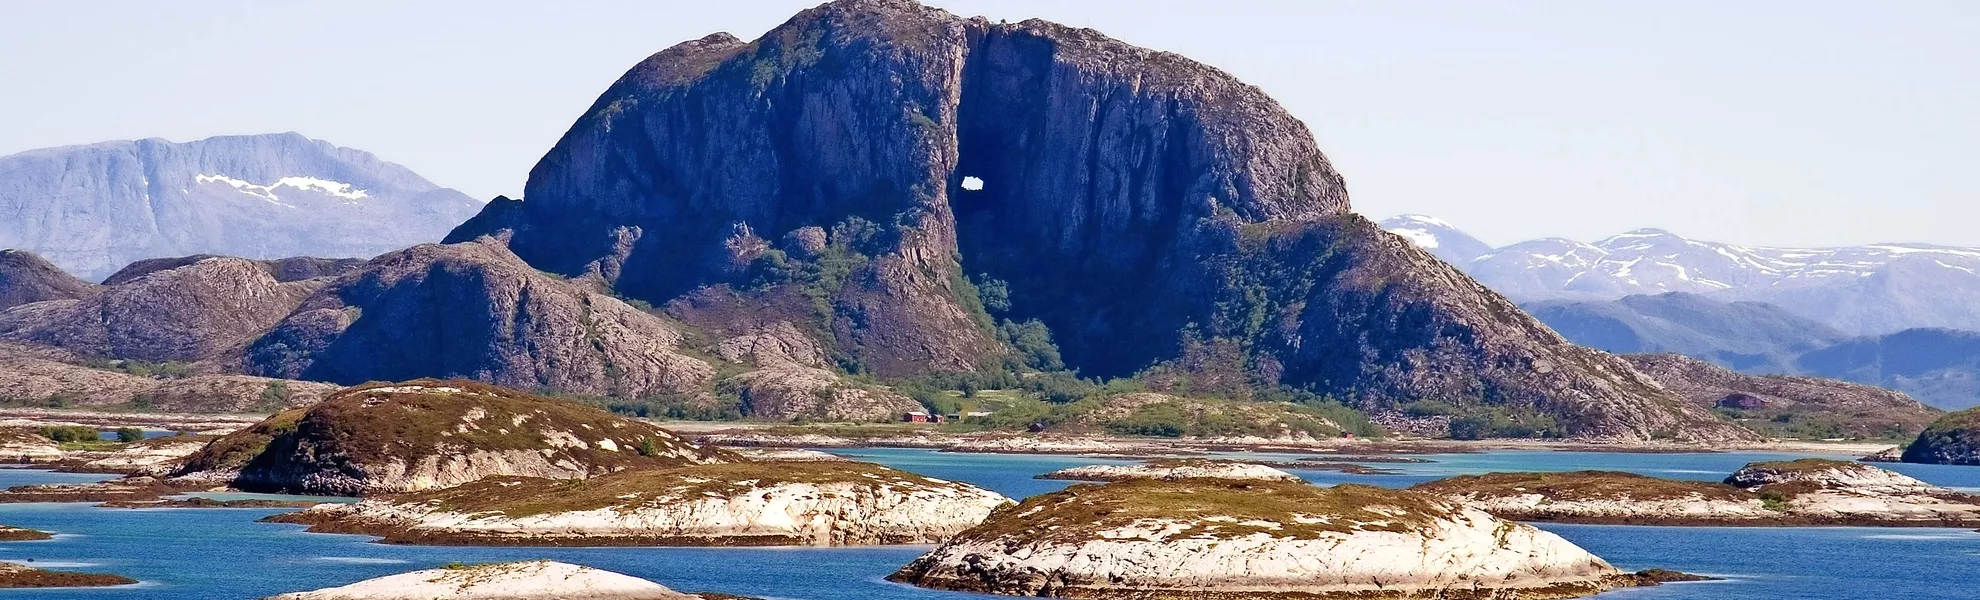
(1800, 493)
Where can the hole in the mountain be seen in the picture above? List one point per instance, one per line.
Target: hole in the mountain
(972, 184)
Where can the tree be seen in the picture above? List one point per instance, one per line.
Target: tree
(130, 434)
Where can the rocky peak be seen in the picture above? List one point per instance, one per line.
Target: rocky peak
(185, 314)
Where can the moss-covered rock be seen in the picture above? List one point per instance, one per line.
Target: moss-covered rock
(427, 434)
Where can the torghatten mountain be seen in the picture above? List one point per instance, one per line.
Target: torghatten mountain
(92, 209)
(856, 171)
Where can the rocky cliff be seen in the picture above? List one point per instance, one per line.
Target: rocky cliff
(26, 277)
(94, 208)
(1787, 405)
(430, 434)
(1256, 540)
(741, 504)
(854, 169)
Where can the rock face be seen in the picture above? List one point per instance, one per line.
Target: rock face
(92, 209)
(846, 171)
(531, 580)
(1801, 492)
(1954, 439)
(1255, 540)
(1843, 409)
(294, 268)
(430, 434)
(741, 504)
(27, 278)
(190, 313)
(474, 310)
(1174, 470)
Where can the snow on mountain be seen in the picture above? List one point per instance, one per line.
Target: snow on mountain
(93, 209)
(1441, 238)
(1868, 290)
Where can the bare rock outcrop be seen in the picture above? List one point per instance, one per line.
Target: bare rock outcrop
(528, 580)
(26, 377)
(295, 268)
(27, 278)
(735, 504)
(1246, 540)
(190, 313)
(1173, 470)
(474, 310)
(1799, 492)
(430, 434)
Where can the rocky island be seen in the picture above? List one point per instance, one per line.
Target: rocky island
(1953, 439)
(429, 434)
(13, 575)
(1242, 539)
(529, 580)
(738, 504)
(1800, 492)
(1174, 469)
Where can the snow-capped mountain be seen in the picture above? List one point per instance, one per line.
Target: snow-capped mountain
(1873, 289)
(1441, 238)
(92, 209)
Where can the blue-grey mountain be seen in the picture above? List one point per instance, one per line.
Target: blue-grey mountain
(93, 209)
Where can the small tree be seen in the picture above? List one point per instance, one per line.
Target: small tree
(130, 434)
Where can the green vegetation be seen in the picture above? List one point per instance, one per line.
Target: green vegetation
(1952, 439)
(130, 434)
(1481, 422)
(273, 397)
(1581, 485)
(1815, 425)
(71, 433)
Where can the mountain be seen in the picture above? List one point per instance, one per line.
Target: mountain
(1859, 290)
(1938, 366)
(872, 171)
(1791, 406)
(1745, 336)
(1441, 238)
(92, 209)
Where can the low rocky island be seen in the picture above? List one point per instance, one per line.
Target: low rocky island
(14, 575)
(1174, 469)
(1244, 539)
(530, 580)
(1784, 493)
(9, 533)
(430, 434)
(738, 504)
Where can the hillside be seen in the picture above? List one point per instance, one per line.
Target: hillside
(92, 209)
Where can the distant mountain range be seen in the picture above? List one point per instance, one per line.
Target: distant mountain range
(93, 209)
(1858, 290)
(1891, 315)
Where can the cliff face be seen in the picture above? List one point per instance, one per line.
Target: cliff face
(848, 170)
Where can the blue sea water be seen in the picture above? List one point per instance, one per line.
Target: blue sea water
(218, 554)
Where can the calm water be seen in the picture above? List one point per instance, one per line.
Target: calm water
(224, 554)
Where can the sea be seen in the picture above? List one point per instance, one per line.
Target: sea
(218, 554)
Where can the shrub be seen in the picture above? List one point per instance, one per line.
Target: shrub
(71, 433)
(130, 434)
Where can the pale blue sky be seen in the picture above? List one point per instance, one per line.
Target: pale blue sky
(1785, 123)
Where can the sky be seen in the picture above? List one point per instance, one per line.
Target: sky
(1801, 123)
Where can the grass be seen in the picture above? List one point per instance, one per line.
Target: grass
(1582, 485)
